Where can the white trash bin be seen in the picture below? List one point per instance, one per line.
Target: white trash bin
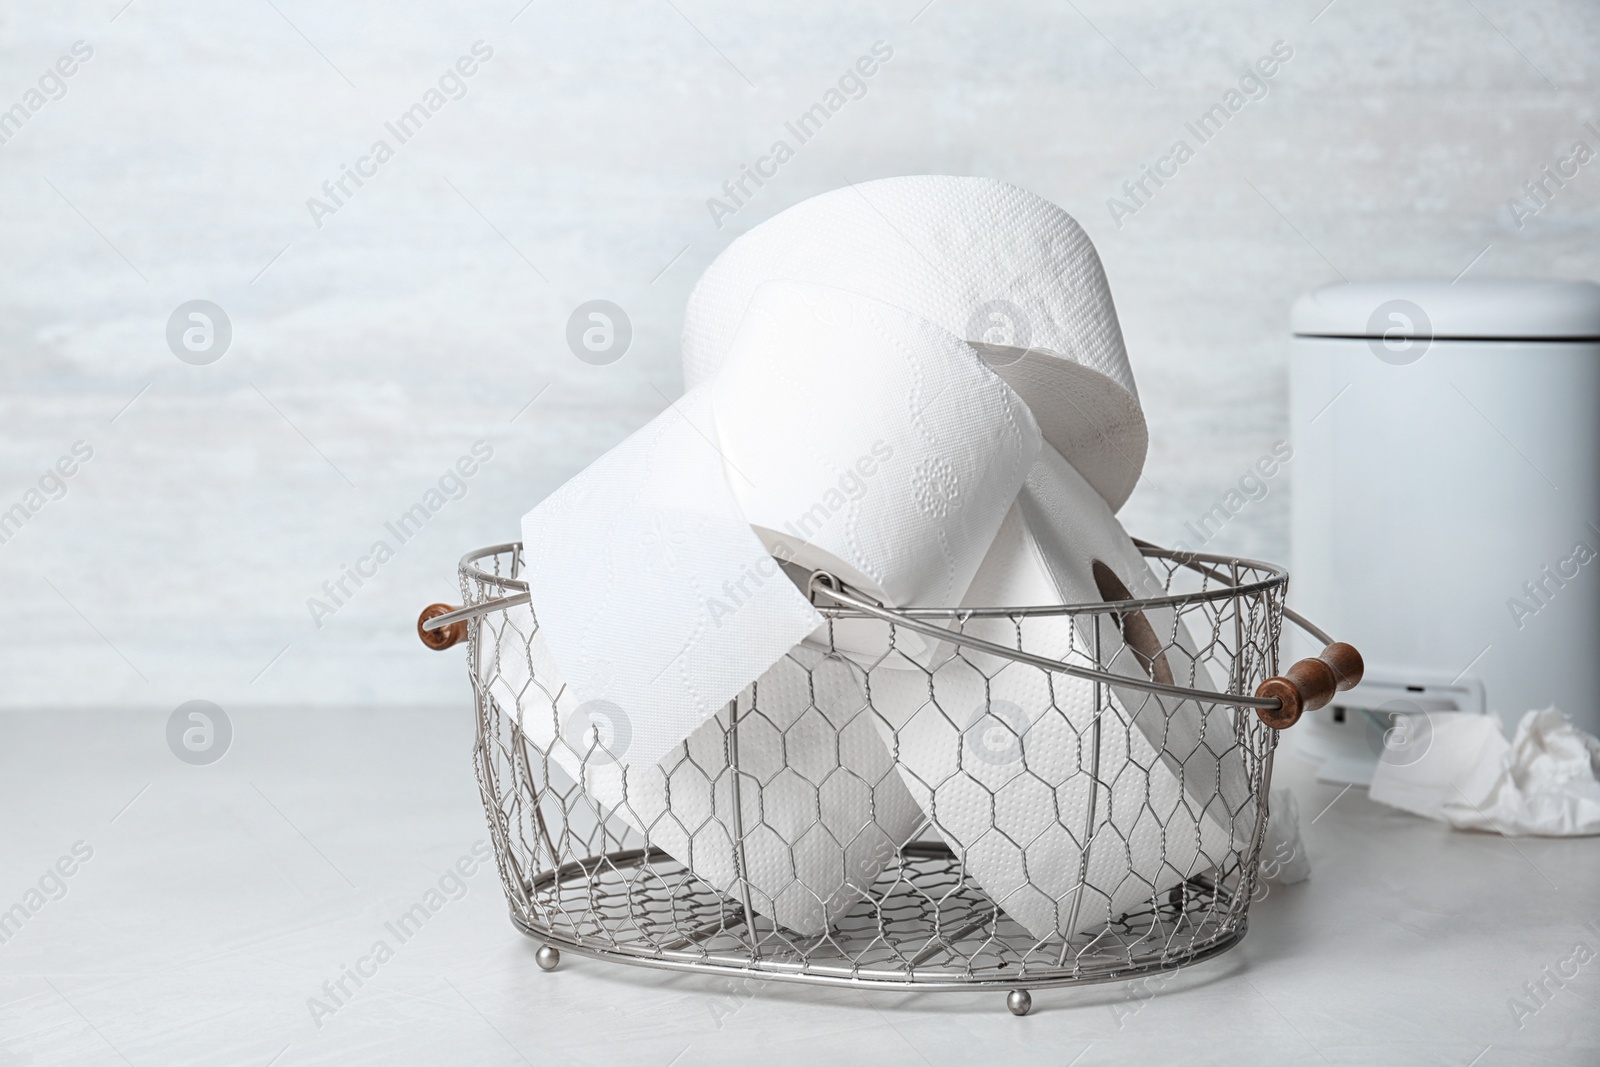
(1446, 502)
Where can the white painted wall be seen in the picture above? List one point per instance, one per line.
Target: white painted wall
(429, 309)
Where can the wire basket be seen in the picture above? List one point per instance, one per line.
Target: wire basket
(1088, 788)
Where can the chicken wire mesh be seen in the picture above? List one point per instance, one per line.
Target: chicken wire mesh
(929, 799)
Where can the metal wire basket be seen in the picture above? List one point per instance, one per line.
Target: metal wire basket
(1089, 786)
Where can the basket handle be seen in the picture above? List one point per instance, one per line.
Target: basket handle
(440, 635)
(451, 621)
(829, 585)
(1310, 684)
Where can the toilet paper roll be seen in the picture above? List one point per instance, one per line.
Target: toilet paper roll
(1000, 753)
(652, 590)
(820, 805)
(1091, 557)
(1004, 269)
(871, 444)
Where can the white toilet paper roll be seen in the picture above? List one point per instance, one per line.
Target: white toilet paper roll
(853, 437)
(820, 806)
(866, 442)
(653, 593)
(994, 264)
(1075, 532)
(1000, 753)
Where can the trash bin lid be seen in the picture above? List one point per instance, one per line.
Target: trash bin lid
(1544, 309)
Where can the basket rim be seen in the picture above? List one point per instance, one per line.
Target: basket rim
(850, 605)
(1276, 578)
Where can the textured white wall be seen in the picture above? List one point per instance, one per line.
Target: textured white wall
(370, 353)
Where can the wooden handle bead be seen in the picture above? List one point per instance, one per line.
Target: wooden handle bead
(1310, 684)
(442, 638)
(1288, 697)
(1346, 663)
(1316, 681)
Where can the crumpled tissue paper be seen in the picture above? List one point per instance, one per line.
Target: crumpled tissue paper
(1283, 852)
(1544, 782)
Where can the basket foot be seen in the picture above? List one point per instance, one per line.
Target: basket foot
(1019, 1002)
(547, 958)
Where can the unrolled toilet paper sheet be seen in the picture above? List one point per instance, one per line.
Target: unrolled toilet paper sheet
(631, 564)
